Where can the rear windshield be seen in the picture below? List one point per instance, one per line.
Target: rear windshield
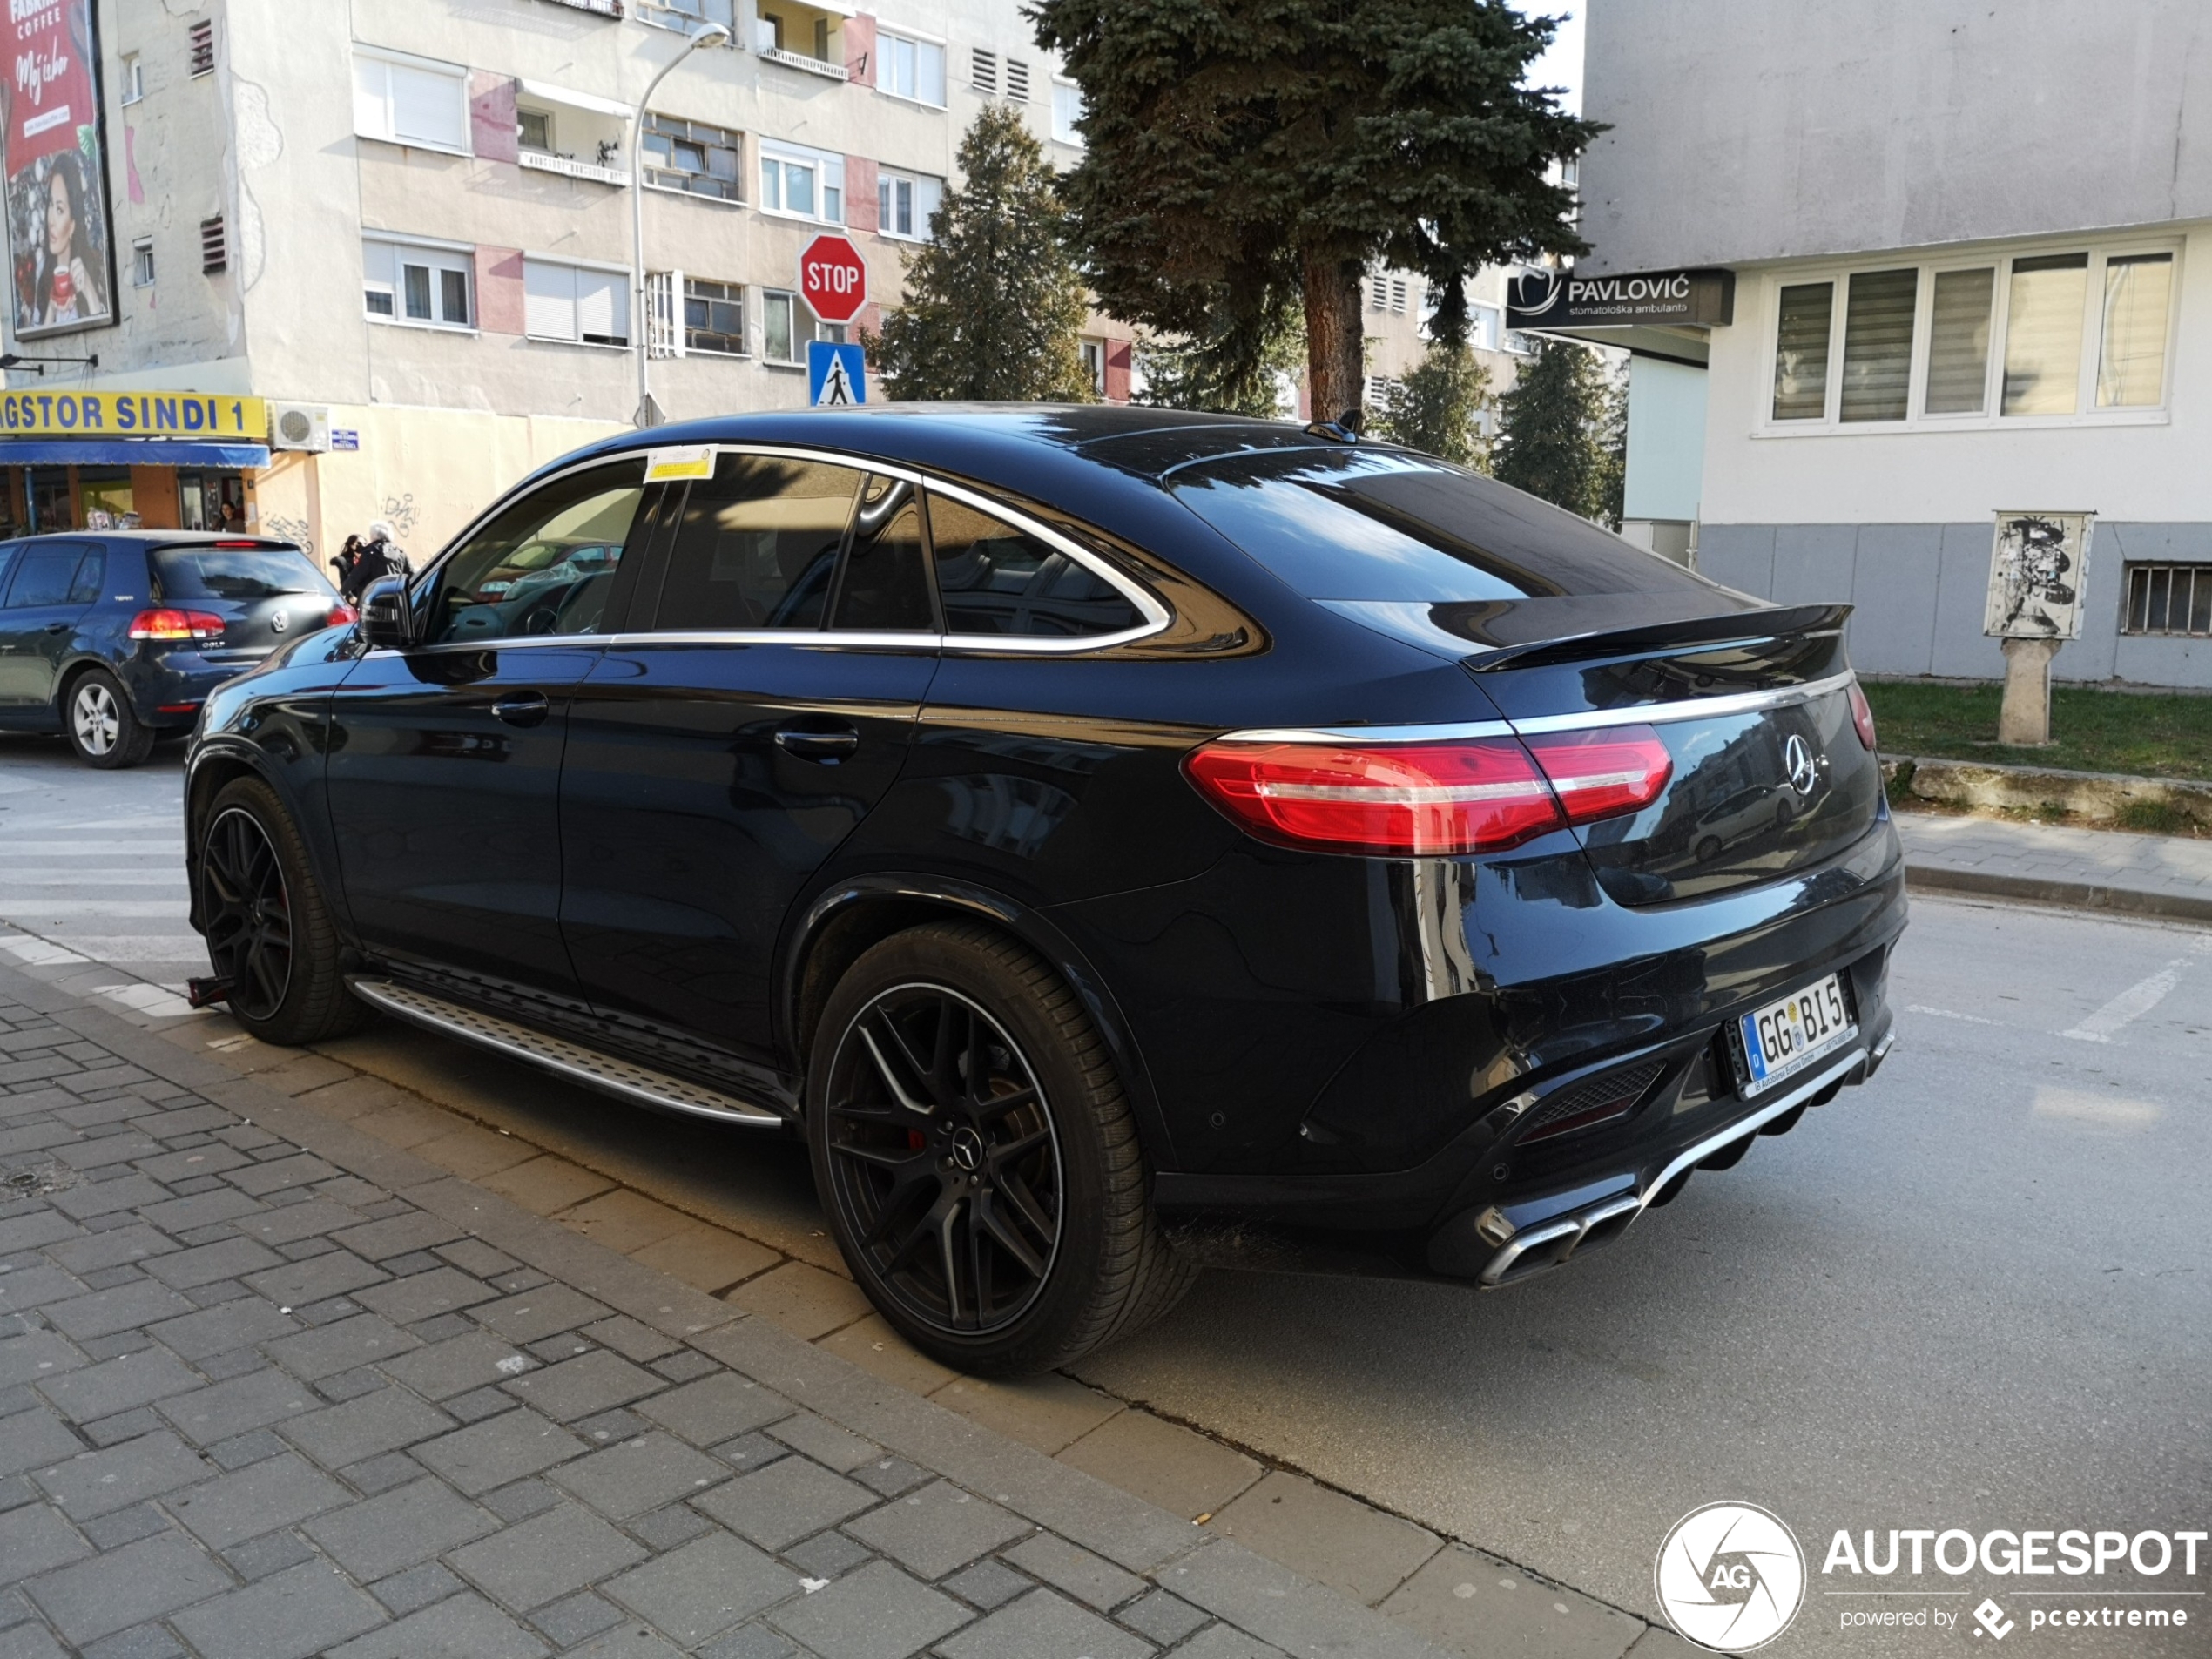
(236, 572)
(1371, 524)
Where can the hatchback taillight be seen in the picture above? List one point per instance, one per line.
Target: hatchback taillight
(343, 615)
(176, 624)
(1478, 795)
(1862, 716)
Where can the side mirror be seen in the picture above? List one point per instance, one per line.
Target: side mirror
(387, 624)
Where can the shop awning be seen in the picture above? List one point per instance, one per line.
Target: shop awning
(129, 452)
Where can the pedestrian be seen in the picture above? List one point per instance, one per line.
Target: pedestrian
(374, 557)
(349, 556)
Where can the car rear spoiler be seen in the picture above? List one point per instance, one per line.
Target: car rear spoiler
(1666, 638)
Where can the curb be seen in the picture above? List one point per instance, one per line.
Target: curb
(2078, 895)
(2097, 798)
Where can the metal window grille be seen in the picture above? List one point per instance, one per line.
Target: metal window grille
(661, 337)
(214, 246)
(1017, 80)
(203, 47)
(2169, 599)
(983, 70)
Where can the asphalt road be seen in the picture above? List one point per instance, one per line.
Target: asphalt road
(1975, 1294)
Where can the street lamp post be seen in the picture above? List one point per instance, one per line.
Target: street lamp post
(648, 414)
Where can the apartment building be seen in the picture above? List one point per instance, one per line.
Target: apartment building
(373, 260)
(1394, 307)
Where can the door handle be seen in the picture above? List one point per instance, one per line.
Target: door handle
(523, 708)
(56, 627)
(826, 747)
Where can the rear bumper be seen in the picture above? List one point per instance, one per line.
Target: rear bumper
(167, 690)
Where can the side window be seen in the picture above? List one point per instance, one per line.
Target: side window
(91, 574)
(756, 544)
(48, 574)
(885, 585)
(546, 564)
(995, 579)
(7, 564)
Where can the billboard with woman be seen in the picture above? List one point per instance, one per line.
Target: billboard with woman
(59, 237)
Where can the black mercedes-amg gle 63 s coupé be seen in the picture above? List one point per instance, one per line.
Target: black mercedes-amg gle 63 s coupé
(1114, 840)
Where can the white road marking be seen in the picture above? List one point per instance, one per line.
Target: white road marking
(2137, 1000)
(1949, 1014)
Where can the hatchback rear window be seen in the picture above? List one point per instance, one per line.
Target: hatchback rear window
(1375, 525)
(235, 572)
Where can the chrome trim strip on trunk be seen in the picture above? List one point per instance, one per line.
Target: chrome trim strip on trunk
(623, 1078)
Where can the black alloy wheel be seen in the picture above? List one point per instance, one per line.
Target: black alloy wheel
(247, 913)
(945, 1162)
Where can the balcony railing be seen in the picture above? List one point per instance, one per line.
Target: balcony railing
(604, 7)
(801, 60)
(545, 161)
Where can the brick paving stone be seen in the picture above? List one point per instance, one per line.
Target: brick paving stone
(222, 1327)
(935, 1529)
(202, 1210)
(667, 1526)
(579, 1387)
(302, 1610)
(890, 1476)
(877, 1613)
(540, 1313)
(172, 1167)
(125, 1526)
(365, 1427)
(271, 1553)
(317, 1279)
(31, 1439)
(789, 1500)
(626, 1641)
(749, 1642)
(148, 1580)
(506, 1448)
(299, 1169)
(1327, 1536)
(1163, 1463)
(254, 1400)
(372, 1477)
(630, 1339)
(751, 1452)
(228, 1259)
(146, 1641)
(474, 1406)
(95, 1483)
(1460, 1600)
(105, 1312)
(632, 1476)
(250, 1447)
(364, 1339)
(1042, 1623)
(463, 1627)
(398, 1528)
(825, 1442)
(828, 1555)
(39, 1227)
(988, 1584)
(803, 1299)
(28, 1288)
(546, 1185)
(398, 1235)
(104, 1198)
(35, 1538)
(521, 1501)
(118, 1384)
(625, 1221)
(41, 1353)
(423, 1296)
(88, 1252)
(702, 1589)
(716, 1408)
(1075, 1571)
(1049, 1413)
(1166, 1619)
(577, 1618)
(474, 1256)
(546, 1556)
(259, 1498)
(1226, 1641)
(418, 1587)
(308, 1218)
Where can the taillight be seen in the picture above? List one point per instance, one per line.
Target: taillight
(176, 624)
(1481, 795)
(1862, 716)
(342, 614)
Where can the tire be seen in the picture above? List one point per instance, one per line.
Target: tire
(1708, 849)
(99, 721)
(267, 928)
(1001, 1230)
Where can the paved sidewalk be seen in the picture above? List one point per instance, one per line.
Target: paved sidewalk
(2150, 875)
(270, 1387)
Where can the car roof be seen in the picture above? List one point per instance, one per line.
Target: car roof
(164, 538)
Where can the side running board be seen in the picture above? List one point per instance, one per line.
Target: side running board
(616, 1077)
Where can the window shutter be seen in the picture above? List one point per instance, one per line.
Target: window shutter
(602, 305)
(549, 300)
(203, 47)
(1017, 80)
(214, 248)
(984, 70)
(428, 108)
(372, 108)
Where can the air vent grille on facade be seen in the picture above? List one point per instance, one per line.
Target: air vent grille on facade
(203, 47)
(1017, 80)
(215, 247)
(985, 70)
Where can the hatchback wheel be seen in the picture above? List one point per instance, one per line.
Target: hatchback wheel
(101, 727)
(268, 931)
(977, 1158)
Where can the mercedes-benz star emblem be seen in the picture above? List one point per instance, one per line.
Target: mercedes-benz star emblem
(968, 1148)
(1797, 760)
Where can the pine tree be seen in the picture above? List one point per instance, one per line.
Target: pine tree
(1555, 441)
(1282, 146)
(994, 305)
(1232, 363)
(1438, 407)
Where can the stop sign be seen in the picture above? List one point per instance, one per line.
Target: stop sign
(834, 279)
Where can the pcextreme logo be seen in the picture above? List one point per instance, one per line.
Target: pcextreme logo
(1730, 1577)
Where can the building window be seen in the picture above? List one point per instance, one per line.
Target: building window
(910, 67)
(806, 184)
(142, 263)
(410, 283)
(779, 339)
(713, 317)
(694, 157)
(983, 71)
(905, 202)
(2173, 599)
(2070, 334)
(583, 304)
(1482, 326)
(200, 39)
(1067, 111)
(534, 130)
(412, 101)
(134, 78)
(1094, 356)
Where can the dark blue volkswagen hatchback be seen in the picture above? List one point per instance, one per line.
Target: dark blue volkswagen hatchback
(115, 638)
(1115, 839)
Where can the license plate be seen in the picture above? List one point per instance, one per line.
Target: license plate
(1783, 1038)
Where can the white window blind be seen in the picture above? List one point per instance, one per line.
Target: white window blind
(413, 103)
(575, 303)
(1067, 110)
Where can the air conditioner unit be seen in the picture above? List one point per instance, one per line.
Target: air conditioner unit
(298, 425)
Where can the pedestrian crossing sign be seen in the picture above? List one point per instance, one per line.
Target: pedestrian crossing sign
(836, 374)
